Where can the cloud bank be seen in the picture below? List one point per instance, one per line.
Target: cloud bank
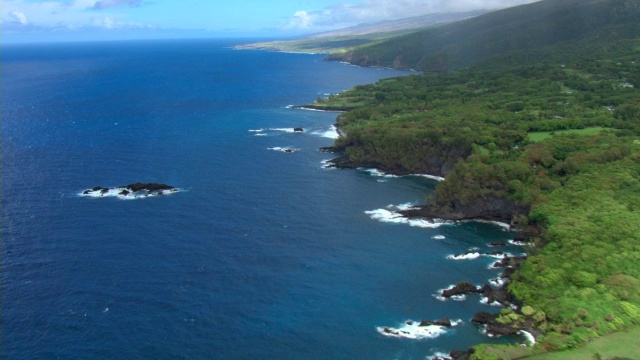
(345, 14)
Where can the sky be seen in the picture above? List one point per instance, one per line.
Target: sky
(44, 20)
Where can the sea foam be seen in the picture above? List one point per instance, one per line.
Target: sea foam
(376, 172)
(283, 149)
(432, 177)
(499, 223)
(389, 216)
(332, 133)
(412, 330)
(530, 338)
(485, 301)
(467, 256)
(517, 243)
(438, 356)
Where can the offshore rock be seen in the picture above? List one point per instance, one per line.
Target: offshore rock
(131, 191)
(461, 288)
(440, 322)
(148, 187)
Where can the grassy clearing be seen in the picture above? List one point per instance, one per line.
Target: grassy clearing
(621, 345)
(540, 136)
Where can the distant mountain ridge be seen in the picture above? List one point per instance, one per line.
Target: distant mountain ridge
(412, 23)
(342, 40)
(529, 27)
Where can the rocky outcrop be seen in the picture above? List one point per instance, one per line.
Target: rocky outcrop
(490, 208)
(441, 322)
(437, 166)
(151, 187)
(510, 262)
(462, 288)
(135, 190)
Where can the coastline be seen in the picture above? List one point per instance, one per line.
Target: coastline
(499, 212)
(318, 108)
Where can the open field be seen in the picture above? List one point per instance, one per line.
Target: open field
(540, 136)
(620, 345)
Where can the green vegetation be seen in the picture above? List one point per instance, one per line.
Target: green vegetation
(621, 345)
(543, 135)
(399, 122)
(523, 35)
(489, 130)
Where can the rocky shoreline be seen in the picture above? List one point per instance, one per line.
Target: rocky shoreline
(487, 209)
(493, 210)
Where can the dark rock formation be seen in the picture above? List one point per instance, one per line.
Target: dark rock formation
(500, 295)
(483, 318)
(148, 186)
(507, 273)
(137, 189)
(441, 322)
(497, 243)
(490, 208)
(462, 288)
(461, 355)
(513, 262)
(329, 149)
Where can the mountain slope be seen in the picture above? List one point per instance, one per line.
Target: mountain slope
(534, 26)
(341, 40)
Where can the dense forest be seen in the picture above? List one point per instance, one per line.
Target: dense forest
(549, 145)
(529, 30)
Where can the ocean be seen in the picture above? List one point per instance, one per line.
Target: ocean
(262, 253)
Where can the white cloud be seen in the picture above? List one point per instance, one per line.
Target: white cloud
(345, 14)
(19, 17)
(68, 14)
(300, 20)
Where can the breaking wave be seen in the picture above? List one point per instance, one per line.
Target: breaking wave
(412, 330)
(391, 215)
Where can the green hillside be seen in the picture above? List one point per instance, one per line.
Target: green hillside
(529, 29)
(342, 40)
(546, 139)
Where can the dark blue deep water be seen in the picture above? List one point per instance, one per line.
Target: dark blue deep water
(262, 255)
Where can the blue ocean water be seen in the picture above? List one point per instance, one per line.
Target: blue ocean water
(261, 255)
